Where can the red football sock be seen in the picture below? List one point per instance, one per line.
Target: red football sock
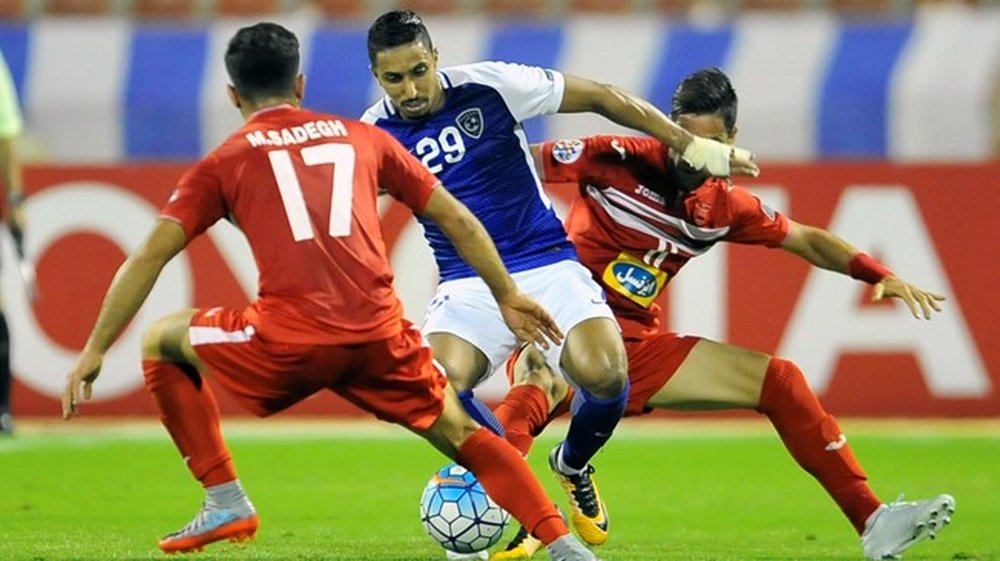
(523, 411)
(509, 481)
(815, 440)
(189, 412)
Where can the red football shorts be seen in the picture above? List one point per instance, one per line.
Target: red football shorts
(652, 361)
(393, 378)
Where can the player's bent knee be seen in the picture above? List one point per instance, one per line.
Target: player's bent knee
(786, 379)
(785, 370)
(462, 376)
(151, 341)
(605, 378)
(608, 388)
(605, 387)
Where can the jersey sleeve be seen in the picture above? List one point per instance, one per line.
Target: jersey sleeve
(589, 159)
(528, 91)
(754, 222)
(197, 202)
(402, 175)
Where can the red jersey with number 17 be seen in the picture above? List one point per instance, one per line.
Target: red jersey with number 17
(634, 228)
(302, 186)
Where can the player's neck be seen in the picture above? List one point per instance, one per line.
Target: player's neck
(248, 110)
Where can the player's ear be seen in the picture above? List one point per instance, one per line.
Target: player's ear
(732, 135)
(234, 96)
(434, 54)
(300, 86)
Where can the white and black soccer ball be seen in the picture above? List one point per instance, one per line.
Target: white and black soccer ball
(458, 514)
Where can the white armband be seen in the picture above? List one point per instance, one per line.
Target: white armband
(709, 155)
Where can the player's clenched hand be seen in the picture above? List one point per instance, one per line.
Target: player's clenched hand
(743, 162)
(920, 301)
(79, 382)
(529, 320)
(718, 159)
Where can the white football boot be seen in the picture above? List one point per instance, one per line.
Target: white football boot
(895, 527)
(568, 548)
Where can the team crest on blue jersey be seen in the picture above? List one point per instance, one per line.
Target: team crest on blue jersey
(471, 121)
(567, 151)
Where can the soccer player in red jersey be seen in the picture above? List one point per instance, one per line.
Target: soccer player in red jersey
(640, 217)
(302, 186)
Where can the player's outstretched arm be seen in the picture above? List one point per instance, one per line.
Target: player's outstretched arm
(628, 110)
(829, 251)
(525, 317)
(129, 289)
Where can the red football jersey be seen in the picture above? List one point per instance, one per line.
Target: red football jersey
(302, 186)
(634, 228)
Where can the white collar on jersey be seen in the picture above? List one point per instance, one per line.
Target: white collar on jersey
(270, 108)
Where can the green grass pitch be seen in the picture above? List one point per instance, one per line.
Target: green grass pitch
(692, 490)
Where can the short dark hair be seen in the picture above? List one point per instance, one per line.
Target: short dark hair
(395, 28)
(706, 92)
(263, 61)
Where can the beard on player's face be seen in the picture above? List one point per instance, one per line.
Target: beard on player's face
(408, 74)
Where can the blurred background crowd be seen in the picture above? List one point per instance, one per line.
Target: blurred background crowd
(360, 8)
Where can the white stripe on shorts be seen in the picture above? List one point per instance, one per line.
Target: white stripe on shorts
(201, 335)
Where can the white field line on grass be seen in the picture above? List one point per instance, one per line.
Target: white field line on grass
(87, 432)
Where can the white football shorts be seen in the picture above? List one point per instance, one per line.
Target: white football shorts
(466, 308)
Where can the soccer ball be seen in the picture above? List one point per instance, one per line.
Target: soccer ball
(458, 514)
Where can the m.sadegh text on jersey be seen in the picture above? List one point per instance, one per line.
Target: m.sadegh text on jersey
(300, 134)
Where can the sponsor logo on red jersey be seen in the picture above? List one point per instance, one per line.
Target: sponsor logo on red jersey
(635, 280)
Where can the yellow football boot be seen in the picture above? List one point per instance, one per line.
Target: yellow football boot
(589, 516)
(523, 546)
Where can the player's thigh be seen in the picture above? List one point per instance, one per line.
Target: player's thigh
(397, 380)
(714, 376)
(652, 362)
(265, 377)
(464, 327)
(168, 339)
(578, 304)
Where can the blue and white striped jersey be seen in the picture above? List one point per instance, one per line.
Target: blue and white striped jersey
(476, 146)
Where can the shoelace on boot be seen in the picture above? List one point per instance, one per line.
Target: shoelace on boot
(583, 492)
